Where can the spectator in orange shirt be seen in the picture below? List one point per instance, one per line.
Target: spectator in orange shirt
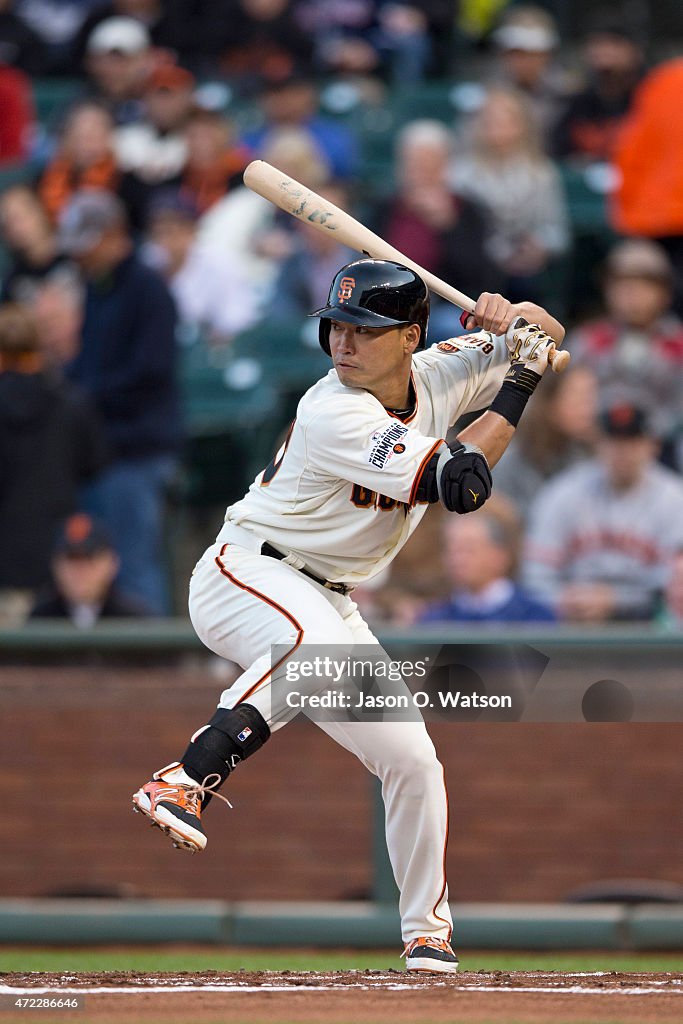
(214, 161)
(85, 158)
(649, 200)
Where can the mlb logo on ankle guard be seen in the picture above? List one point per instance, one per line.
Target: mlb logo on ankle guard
(242, 736)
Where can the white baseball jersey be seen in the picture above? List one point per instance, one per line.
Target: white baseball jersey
(340, 495)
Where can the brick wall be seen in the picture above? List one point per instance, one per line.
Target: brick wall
(535, 809)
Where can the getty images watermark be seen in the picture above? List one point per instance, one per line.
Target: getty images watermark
(354, 686)
(477, 681)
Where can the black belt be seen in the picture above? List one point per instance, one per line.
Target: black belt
(338, 588)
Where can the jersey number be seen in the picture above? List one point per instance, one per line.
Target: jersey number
(363, 497)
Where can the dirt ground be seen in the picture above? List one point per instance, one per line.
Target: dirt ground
(338, 997)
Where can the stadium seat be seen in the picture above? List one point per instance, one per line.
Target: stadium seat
(286, 357)
(232, 426)
(53, 96)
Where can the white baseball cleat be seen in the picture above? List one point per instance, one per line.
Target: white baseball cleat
(429, 954)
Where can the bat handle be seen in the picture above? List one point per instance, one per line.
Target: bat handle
(558, 359)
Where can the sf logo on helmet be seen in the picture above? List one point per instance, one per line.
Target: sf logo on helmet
(346, 286)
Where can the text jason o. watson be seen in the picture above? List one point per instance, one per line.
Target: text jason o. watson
(419, 699)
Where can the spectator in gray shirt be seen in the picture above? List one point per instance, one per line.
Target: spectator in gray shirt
(602, 534)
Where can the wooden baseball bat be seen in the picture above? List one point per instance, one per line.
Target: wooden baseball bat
(299, 201)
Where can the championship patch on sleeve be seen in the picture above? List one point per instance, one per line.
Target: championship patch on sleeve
(386, 443)
(482, 341)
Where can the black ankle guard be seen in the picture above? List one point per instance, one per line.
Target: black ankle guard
(232, 736)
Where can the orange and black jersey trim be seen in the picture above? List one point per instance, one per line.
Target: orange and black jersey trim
(424, 487)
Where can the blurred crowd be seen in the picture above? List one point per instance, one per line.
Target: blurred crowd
(153, 331)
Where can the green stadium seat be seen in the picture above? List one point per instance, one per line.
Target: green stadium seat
(52, 97)
(232, 430)
(286, 356)
(425, 99)
(592, 234)
(587, 206)
(16, 174)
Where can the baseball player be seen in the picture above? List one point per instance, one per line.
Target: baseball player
(361, 462)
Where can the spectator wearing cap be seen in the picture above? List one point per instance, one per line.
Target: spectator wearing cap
(51, 443)
(601, 535)
(127, 363)
(212, 294)
(637, 347)
(149, 13)
(84, 567)
(119, 60)
(614, 62)
(480, 555)
(193, 31)
(526, 43)
(648, 201)
(85, 158)
(155, 149)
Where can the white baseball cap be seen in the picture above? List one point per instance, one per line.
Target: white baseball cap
(122, 35)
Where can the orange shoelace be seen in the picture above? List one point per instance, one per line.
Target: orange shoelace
(190, 796)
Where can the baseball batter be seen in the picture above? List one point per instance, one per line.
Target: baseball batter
(363, 459)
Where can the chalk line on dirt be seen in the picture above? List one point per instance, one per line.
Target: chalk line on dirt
(355, 986)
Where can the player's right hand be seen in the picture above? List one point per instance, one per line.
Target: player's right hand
(493, 312)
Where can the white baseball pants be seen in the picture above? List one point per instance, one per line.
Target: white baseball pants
(241, 603)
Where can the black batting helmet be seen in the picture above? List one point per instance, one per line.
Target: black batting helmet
(375, 293)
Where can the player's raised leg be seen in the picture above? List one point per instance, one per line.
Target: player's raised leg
(242, 604)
